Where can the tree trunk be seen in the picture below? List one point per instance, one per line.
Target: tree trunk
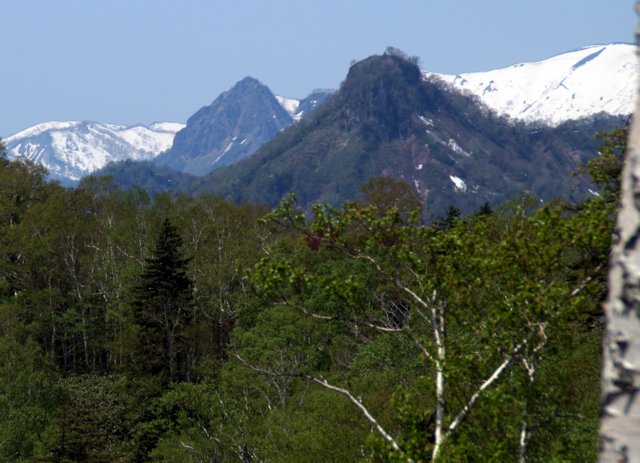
(439, 332)
(620, 416)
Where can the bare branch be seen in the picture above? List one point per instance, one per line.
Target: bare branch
(368, 324)
(488, 382)
(419, 345)
(324, 383)
(187, 446)
(586, 281)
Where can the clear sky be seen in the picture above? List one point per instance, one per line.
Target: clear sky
(140, 61)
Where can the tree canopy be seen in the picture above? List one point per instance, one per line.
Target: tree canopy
(176, 328)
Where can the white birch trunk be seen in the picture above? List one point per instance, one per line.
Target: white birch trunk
(620, 418)
(439, 333)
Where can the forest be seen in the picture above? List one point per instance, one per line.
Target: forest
(192, 329)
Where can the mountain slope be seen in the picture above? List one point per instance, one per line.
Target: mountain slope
(236, 124)
(581, 83)
(386, 119)
(298, 109)
(71, 150)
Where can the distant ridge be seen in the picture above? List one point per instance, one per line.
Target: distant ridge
(569, 86)
(594, 81)
(71, 150)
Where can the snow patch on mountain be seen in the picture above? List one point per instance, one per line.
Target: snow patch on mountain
(72, 149)
(290, 105)
(453, 146)
(458, 183)
(581, 83)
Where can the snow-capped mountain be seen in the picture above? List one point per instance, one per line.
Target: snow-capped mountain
(569, 86)
(298, 109)
(70, 150)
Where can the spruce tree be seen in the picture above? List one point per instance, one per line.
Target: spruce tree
(450, 219)
(163, 307)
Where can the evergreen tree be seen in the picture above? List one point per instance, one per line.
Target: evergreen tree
(485, 209)
(450, 219)
(163, 307)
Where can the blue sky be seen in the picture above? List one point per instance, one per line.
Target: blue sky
(140, 61)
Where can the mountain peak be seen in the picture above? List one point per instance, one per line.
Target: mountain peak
(379, 92)
(248, 84)
(248, 81)
(236, 124)
(382, 69)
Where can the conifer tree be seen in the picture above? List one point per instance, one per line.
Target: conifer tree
(453, 214)
(163, 306)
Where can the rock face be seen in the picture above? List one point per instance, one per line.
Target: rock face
(234, 126)
(386, 119)
(70, 150)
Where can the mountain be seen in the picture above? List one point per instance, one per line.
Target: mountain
(71, 150)
(234, 126)
(298, 109)
(581, 83)
(388, 119)
(442, 133)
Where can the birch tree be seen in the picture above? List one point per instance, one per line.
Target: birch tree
(476, 303)
(620, 422)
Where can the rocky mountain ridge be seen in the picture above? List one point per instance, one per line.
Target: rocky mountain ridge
(570, 86)
(388, 120)
(236, 124)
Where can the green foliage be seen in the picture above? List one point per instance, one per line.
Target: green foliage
(125, 336)
(93, 423)
(606, 169)
(163, 308)
(29, 395)
(22, 184)
(507, 279)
